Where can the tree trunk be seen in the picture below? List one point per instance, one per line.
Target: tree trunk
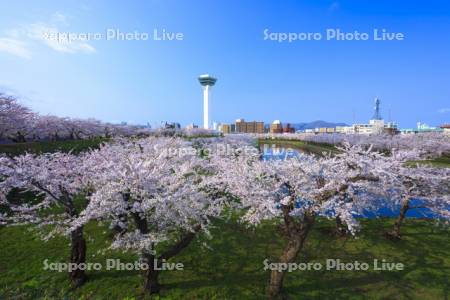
(119, 230)
(20, 137)
(78, 256)
(297, 233)
(151, 283)
(340, 228)
(395, 233)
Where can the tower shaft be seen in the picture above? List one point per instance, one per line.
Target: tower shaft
(207, 82)
(206, 106)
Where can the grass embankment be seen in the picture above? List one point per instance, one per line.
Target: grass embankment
(306, 146)
(439, 162)
(75, 146)
(233, 268)
(320, 148)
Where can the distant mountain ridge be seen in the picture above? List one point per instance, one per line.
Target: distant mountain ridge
(316, 124)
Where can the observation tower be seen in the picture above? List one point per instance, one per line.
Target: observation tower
(207, 81)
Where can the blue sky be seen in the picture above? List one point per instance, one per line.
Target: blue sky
(152, 81)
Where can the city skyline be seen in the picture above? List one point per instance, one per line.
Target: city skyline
(154, 80)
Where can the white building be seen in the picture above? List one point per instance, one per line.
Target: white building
(375, 126)
(345, 129)
(191, 126)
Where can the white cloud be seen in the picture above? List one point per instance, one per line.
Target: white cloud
(444, 110)
(45, 34)
(15, 47)
(18, 41)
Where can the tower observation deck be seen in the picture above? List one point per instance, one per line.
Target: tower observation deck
(207, 79)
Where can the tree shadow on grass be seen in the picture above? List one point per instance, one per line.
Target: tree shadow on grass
(231, 265)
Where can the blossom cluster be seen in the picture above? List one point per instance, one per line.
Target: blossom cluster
(19, 124)
(147, 194)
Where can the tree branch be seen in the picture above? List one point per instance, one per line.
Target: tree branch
(181, 244)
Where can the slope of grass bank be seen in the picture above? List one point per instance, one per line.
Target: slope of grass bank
(306, 146)
(320, 148)
(75, 146)
(232, 265)
(439, 162)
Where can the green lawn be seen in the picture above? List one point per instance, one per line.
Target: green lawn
(306, 146)
(75, 146)
(320, 148)
(439, 162)
(231, 267)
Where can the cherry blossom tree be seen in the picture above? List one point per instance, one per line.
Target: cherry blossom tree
(51, 128)
(58, 179)
(421, 187)
(198, 132)
(430, 144)
(15, 120)
(155, 190)
(19, 124)
(159, 193)
(296, 191)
